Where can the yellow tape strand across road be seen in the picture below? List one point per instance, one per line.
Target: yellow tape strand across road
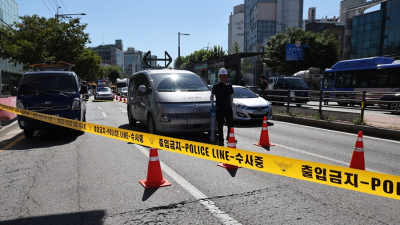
(347, 178)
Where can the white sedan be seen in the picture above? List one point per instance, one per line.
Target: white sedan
(249, 106)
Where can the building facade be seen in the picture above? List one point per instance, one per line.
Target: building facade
(377, 33)
(112, 54)
(8, 72)
(236, 28)
(262, 20)
(132, 61)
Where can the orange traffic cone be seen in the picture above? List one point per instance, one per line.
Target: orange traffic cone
(231, 144)
(357, 160)
(154, 175)
(124, 99)
(114, 97)
(120, 99)
(264, 138)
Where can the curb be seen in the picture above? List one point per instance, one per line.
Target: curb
(348, 128)
(5, 129)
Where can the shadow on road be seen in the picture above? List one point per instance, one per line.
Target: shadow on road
(47, 138)
(89, 217)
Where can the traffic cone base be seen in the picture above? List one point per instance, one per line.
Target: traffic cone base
(150, 185)
(358, 160)
(264, 137)
(155, 178)
(228, 166)
(231, 144)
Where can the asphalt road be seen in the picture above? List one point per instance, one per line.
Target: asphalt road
(60, 178)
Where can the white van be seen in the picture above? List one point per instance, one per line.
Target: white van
(169, 101)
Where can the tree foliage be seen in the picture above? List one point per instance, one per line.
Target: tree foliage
(113, 72)
(40, 40)
(200, 56)
(322, 51)
(87, 65)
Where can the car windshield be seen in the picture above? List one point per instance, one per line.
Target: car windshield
(120, 85)
(43, 82)
(124, 89)
(296, 83)
(243, 93)
(178, 83)
(103, 89)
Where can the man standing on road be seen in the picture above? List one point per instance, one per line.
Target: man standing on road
(264, 85)
(223, 92)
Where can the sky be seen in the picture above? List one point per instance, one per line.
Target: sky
(153, 25)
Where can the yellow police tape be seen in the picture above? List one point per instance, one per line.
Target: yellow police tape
(352, 179)
(96, 100)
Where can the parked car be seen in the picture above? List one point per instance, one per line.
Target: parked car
(103, 93)
(394, 101)
(124, 92)
(296, 85)
(168, 101)
(55, 93)
(249, 106)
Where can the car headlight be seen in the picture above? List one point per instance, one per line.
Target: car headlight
(292, 94)
(238, 105)
(20, 105)
(165, 118)
(269, 104)
(75, 104)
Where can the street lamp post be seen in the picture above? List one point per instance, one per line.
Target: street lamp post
(68, 15)
(179, 48)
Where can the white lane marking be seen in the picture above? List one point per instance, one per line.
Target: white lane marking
(104, 114)
(322, 157)
(123, 110)
(339, 132)
(98, 107)
(203, 199)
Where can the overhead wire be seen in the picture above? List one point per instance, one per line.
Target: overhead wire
(55, 11)
(64, 6)
(46, 6)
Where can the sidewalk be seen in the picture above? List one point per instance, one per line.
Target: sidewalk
(383, 122)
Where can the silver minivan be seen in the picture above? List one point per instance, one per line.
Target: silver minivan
(169, 101)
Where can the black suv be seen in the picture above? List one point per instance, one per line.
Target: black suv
(295, 85)
(55, 93)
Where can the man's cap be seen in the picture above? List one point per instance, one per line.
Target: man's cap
(262, 76)
(222, 71)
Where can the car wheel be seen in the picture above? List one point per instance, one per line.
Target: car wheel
(298, 105)
(151, 125)
(132, 121)
(28, 133)
(395, 107)
(342, 103)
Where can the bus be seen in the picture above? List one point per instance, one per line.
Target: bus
(377, 74)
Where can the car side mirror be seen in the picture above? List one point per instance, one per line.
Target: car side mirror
(14, 91)
(83, 90)
(142, 89)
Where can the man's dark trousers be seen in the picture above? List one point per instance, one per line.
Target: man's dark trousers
(222, 114)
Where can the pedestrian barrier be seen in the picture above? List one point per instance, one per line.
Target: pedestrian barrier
(357, 160)
(231, 144)
(264, 137)
(155, 178)
(348, 178)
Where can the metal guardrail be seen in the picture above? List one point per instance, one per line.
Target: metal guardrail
(343, 98)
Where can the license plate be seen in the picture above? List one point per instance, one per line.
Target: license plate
(201, 121)
(259, 112)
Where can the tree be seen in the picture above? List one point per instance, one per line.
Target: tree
(87, 66)
(235, 48)
(200, 56)
(113, 72)
(322, 51)
(40, 40)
